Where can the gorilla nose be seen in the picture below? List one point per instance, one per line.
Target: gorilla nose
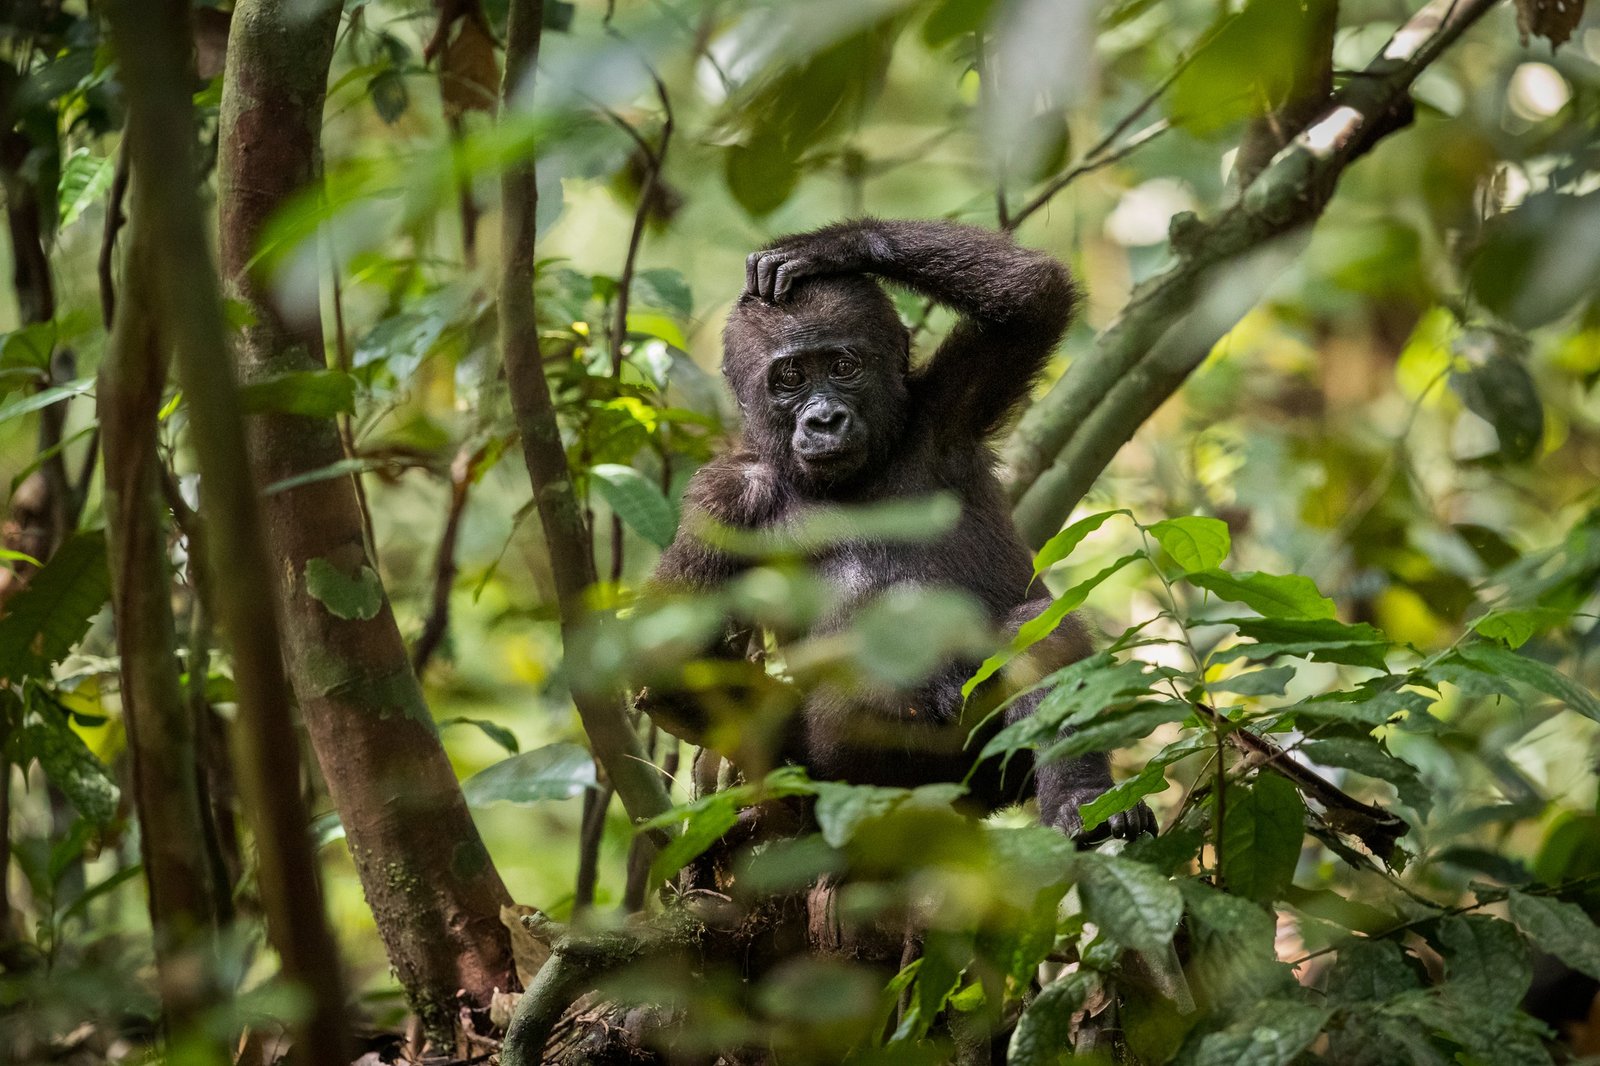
(827, 421)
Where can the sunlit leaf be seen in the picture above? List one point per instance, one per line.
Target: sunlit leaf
(38, 401)
(1275, 596)
(1062, 545)
(1123, 797)
(1194, 542)
(85, 178)
(70, 766)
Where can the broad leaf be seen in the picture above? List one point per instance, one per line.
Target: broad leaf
(85, 178)
(638, 501)
(1195, 543)
(1262, 830)
(1563, 929)
(69, 765)
(1134, 904)
(38, 401)
(52, 613)
(1043, 1036)
(1272, 1033)
(1486, 961)
(553, 772)
(1533, 673)
(1275, 596)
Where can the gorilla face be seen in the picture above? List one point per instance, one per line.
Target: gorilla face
(821, 380)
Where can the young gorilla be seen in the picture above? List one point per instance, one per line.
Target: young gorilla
(834, 413)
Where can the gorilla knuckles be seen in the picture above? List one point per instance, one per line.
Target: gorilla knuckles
(834, 413)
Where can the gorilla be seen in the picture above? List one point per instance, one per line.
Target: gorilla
(834, 413)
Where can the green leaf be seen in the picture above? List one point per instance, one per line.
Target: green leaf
(52, 613)
(1113, 731)
(1194, 542)
(85, 178)
(1272, 681)
(493, 730)
(841, 808)
(1367, 756)
(1501, 391)
(1271, 1033)
(553, 772)
(1123, 797)
(8, 556)
(69, 765)
(1369, 971)
(38, 401)
(638, 501)
(337, 468)
(705, 826)
(1531, 672)
(1323, 639)
(663, 288)
(358, 597)
(1134, 904)
(312, 393)
(1036, 629)
(1515, 628)
(1043, 1036)
(1064, 543)
(1262, 830)
(1486, 962)
(1275, 596)
(1563, 929)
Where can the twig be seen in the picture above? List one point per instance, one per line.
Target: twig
(591, 831)
(106, 266)
(654, 161)
(444, 563)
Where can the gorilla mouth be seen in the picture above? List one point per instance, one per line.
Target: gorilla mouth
(829, 456)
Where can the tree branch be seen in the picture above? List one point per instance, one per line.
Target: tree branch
(1173, 320)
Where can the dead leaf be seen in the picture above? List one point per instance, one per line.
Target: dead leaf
(1551, 19)
(469, 72)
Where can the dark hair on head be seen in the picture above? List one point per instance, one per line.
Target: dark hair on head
(854, 302)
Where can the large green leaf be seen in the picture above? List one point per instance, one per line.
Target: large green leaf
(69, 765)
(638, 501)
(1043, 1036)
(1531, 672)
(1323, 639)
(842, 808)
(1288, 596)
(357, 597)
(1370, 971)
(1486, 961)
(1262, 830)
(553, 772)
(85, 177)
(1563, 929)
(1133, 903)
(53, 612)
(1194, 542)
(38, 401)
(1272, 1033)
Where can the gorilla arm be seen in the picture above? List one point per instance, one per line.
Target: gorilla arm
(1014, 304)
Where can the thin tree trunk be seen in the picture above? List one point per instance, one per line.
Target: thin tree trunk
(638, 782)
(152, 39)
(183, 909)
(427, 876)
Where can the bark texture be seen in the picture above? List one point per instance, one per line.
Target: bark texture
(153, 43)
(427, 876)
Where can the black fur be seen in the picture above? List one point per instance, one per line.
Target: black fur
(834, 412)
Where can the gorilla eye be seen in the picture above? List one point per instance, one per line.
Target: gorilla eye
(789, 376)
(846, 366)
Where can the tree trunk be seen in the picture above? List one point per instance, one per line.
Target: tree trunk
(183, 907)
(153, 43)
(427, 876)
(638, 782)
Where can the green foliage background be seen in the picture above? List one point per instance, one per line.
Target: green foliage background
(1366, 528)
